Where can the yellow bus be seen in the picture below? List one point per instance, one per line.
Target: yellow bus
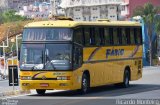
(71, 55)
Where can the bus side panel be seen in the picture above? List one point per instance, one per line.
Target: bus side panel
(107, 64)
(136, 67)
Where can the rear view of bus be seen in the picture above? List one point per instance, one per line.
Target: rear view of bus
(69, 55)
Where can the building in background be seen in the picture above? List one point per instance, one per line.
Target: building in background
(36, 10)
(42, 10)
(91, 10)
(3, 5)
(56, 9)
(18, 4)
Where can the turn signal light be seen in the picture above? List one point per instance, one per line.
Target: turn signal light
(63, 78)
(25, 84)
(26, 77)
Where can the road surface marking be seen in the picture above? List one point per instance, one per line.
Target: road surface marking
(55, 98)
(26, 96)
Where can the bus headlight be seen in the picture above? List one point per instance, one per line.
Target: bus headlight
(26, 77)
(63, 78)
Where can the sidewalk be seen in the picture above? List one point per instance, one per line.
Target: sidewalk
(151, 68)
(6, 90)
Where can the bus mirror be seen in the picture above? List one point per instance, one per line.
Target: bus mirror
(18, 55)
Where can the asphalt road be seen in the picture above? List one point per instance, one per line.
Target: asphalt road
(145, 91)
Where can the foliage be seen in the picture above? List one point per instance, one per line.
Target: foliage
(158, 24)
(138, 11)
(10, 16)
(1, 18)
(12, 28)
(148, 12)
(12, 25)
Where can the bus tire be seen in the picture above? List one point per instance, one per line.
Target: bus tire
(40, 91)
(85, 84)
(126, 79)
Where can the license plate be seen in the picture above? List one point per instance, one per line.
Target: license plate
(44, 84)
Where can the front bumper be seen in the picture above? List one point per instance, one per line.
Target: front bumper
(52, 84)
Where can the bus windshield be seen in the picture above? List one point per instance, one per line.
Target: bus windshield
(45, 57)
(47, 34)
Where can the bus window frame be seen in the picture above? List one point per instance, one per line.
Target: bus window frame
(52, 42)
(119, 33)
(83, 44)
(47, 40)
(81, 47)
(82, 37)
(109, 26)
(132, 33)
(136, 35)
(128, 35)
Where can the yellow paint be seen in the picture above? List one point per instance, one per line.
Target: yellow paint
(69, 24)
(14, 62)
(101, 73)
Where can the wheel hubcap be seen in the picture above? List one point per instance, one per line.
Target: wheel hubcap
(84, 84)
(127, 79)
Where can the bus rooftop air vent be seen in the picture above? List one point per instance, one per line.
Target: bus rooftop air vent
(103, 20)
(63, 18)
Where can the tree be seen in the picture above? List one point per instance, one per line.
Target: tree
(1, 18)
(148, 13)
(158, 35)
(11, 16)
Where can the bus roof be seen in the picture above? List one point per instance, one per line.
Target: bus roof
(70, 24)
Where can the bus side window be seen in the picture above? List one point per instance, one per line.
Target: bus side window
(111, 36)
(132, 37)
(77, 56)
(102, 38)
(127, 30)
(106, 36)
(119, 33)
(87, 36)
(135, 36)
(139, 35)
(92, 36)
(97, 36)
(124, 39)
(115, 36)
(78, 36)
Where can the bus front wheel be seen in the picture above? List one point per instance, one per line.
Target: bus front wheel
(40, 91)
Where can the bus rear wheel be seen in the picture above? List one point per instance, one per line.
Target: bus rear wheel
(126, 79)
(85, 84)
(40, 91)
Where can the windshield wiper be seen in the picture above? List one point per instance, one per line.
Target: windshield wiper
(50, 63)
(33, 68)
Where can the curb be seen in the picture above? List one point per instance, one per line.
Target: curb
(152, 67)
(14, 93)
(3, 79)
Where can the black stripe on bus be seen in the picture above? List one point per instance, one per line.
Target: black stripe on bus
(111, 60)
(38, 74)
(93, 53)
(44, 78)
